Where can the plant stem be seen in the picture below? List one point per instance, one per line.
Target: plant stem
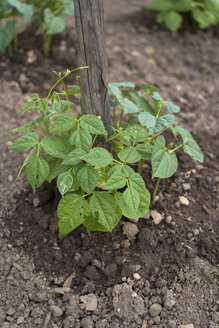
(155, 188)
(47, 38)
(121, 118)
(93, 141)
(66, 96)
(140, 166)
(114, 117)
(176, 148)
(15, 41)
(10, 52)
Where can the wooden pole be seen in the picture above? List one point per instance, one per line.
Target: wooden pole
(89, 19)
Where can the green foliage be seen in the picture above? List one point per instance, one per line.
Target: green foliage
(48, 13)
(171, 12)
(99, 186)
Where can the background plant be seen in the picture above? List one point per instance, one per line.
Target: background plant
(172, 12)
(98, 186)
(48, 15)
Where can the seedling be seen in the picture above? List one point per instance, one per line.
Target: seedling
(98, 186)
(171, 12)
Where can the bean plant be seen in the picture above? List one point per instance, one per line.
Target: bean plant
(47, 14)
(171, 12)
(99, 186)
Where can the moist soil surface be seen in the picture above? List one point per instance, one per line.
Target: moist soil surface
(166, 277)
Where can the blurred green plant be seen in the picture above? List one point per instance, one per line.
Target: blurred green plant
(172, 12)
(47, 13)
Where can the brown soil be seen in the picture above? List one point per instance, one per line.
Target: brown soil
(177, 260)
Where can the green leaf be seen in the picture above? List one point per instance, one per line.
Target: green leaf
(30, 105)
(6, 35)
(64, 182)
(91, 223)
(25, 142)
(55, 25)
(87, 178)
(123, 169)
(93, 124)
(138, 184)
(129, 155)
(132, 198)
(164, 163)
(145, 150)
(43, 105)
(56, 167)
(143, 104)
(155, 124)
(81, 139)
(103, 173)
(104, 204)
(32, 154)
(173, 20)
(25, 128)
(190, 145)
(23, 8)
(128, 106)
(183, 6)
(74, 157)
(70, 212)
(56, 146)
(68, 7)
(137, 133)
(160, 5)
(98, 156)
(37, 170)
(171, 107)
(64, 123)
(115, 181)
(128, 85)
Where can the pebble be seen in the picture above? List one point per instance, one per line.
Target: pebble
(116, 245)
(10, 178)
(156, 216)
(149, 50)
(125, 243)
(186, 186)
(20, 320)
(90, 302)
(217, 179)
(196, 232)
(155, 309)
(136, 276)
(169, 219)
(130, 229)
(56, 311)
(134, 220)
(147, 215)
(183, 201)
(190, 325)
(169, 300)
(177, 204)
(36, 202)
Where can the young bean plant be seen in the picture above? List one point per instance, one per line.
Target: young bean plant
(98, 186)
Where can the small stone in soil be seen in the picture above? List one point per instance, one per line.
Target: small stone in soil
(136, 276)
(183, 201)
(125, 243)
(36, 202)
(190, 325)
(147, 215)
(169, 219)
(186, 186)
(90, 302)
(156, 216)
(56, 311)
(130, 229)
(155, 309)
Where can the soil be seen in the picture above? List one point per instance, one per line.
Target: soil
(168, 276)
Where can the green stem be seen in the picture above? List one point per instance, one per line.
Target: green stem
(15, 41)
(47, 38)
(121, 118)
(66, 96)
(114, 160)
(114, 117)
(155, 188)
(140, 166)
(62, 78)
(93, 141)
(10, 52)
(173, 150)
(157, 134)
